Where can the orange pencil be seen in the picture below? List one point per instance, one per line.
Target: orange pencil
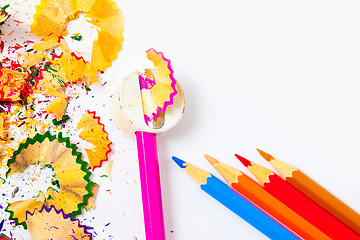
(299, 203)
(315, 192)
(264, 200)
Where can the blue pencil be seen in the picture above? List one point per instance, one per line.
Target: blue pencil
(236, 203)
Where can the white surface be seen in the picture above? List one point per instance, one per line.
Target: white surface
(276, 75)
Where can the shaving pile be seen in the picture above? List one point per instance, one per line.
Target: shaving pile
(49, 156)
(40, 78)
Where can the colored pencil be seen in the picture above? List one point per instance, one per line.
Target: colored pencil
(236, 203)
(264, 200)
(150, 186)
(298, 202)
(315, 192)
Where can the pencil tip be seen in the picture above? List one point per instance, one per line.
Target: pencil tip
(211, 160)
(265, 155)
(179, 162)
(244, 161)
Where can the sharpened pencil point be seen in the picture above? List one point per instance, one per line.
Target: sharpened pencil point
(265, 155)
(244, 161)
(179, 162)
(211, 160)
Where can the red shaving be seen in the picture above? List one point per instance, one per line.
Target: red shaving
(94, 132)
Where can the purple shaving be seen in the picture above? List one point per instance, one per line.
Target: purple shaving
(65, 216)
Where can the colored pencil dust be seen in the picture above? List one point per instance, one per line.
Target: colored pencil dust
(264, 200)
(315, 192)
(298, 202)
(236, 203)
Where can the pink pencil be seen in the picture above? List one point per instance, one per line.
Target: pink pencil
(150, 186)
(130, 114)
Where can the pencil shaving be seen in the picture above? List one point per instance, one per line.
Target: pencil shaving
(94, 132)
(50, 223)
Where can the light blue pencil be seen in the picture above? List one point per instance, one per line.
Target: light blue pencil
(236, 203)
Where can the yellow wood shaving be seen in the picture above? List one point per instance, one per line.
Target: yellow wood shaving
(2, 129)
(11, 84)
(57, 107)
(109, 168)
(50, 21)
(46, 44)
(74, 68)
(91, 200)
(93, 131)
(54, 224)
(67, 171)
(32, 59)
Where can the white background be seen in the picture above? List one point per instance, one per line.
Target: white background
(282, 76)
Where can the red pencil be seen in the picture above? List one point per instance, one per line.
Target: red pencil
(299, 203)
(315, 192)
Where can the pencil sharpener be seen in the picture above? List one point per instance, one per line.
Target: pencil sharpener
(127, 109)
